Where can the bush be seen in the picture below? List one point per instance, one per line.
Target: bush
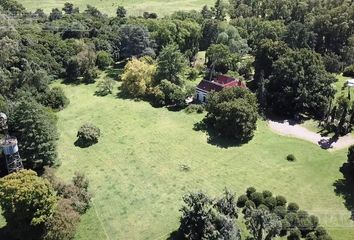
(156, 97)
(280, 211)
(249, 191)
(105, 87)
(294, 234)
(241, 201)
(267, 193)
(270, 202)
(55, 98)
(257, 198)
(281, 201)
(192, 74)
(349, 71)
(63, 223)
(194, 108)
(291, 158)
(88, 135)
(293, 207)
(103, 60)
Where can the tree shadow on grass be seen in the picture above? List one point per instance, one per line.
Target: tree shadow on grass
(175, 235)
(82, 144)
(345, 187)
(214, 138)
(4, 234)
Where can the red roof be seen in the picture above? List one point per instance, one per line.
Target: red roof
(219, 83)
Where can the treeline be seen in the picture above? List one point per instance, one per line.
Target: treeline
(264, 215)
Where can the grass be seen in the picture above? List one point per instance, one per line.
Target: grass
(138, 183)
(134, 7)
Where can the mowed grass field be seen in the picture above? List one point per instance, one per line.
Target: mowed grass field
(137, 182)
(134, 7)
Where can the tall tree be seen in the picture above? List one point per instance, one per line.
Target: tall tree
(27, 202)
(300, 84)
(262, 224)
(171, 64)
(35, 128)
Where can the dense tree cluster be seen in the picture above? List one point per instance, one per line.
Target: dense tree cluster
(264, 215)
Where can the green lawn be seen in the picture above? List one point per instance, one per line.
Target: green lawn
(135, 168)
(134, 7)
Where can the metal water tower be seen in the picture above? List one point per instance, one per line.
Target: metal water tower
(9, 147)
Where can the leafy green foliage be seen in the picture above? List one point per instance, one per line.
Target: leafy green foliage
(171, 64)
(88, 135)
(201, 220)
(63, 223)
(137, 76)
(55, 98)
(36, 132)
(27, 201)
(300, 84)
(233, 113)
(103, 60)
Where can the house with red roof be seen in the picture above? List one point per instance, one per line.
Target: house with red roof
(217, 84)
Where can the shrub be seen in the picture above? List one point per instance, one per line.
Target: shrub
(105, 87)
(88, 135)
(257, 198)
(55, 98)
(280, 211)
(250, 204)
(194, 108)
(349, 71)
(293, 207)
(192, 74)
(241, 201)
(267, 193)
(294, 234)
(250, 190)
(63, 223)
(156, 97)
(291, 158)
(281, 201)
(270, 202)
(103, 60)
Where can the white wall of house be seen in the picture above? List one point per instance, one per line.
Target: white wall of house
(200, 95)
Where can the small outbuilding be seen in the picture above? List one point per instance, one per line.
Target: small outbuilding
(217, 84)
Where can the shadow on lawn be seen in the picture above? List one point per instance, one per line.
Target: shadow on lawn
(345, 187)
(214, 138)
(4, 234)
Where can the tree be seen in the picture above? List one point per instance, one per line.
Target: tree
(103, 60)
(68, 8)
(262, 224)
(55, 98)
(88, 135)
(200, 220)
(63, 223)
(105, 87)
(300, 84)
(206, 12)
(171, 64)
(27, 201)
(55, 14)
(137, 77)
(220, 9)
(233, 113)
(135, 41)
(219, 58)
(36, 132)
(121, 12)
(267, 53)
